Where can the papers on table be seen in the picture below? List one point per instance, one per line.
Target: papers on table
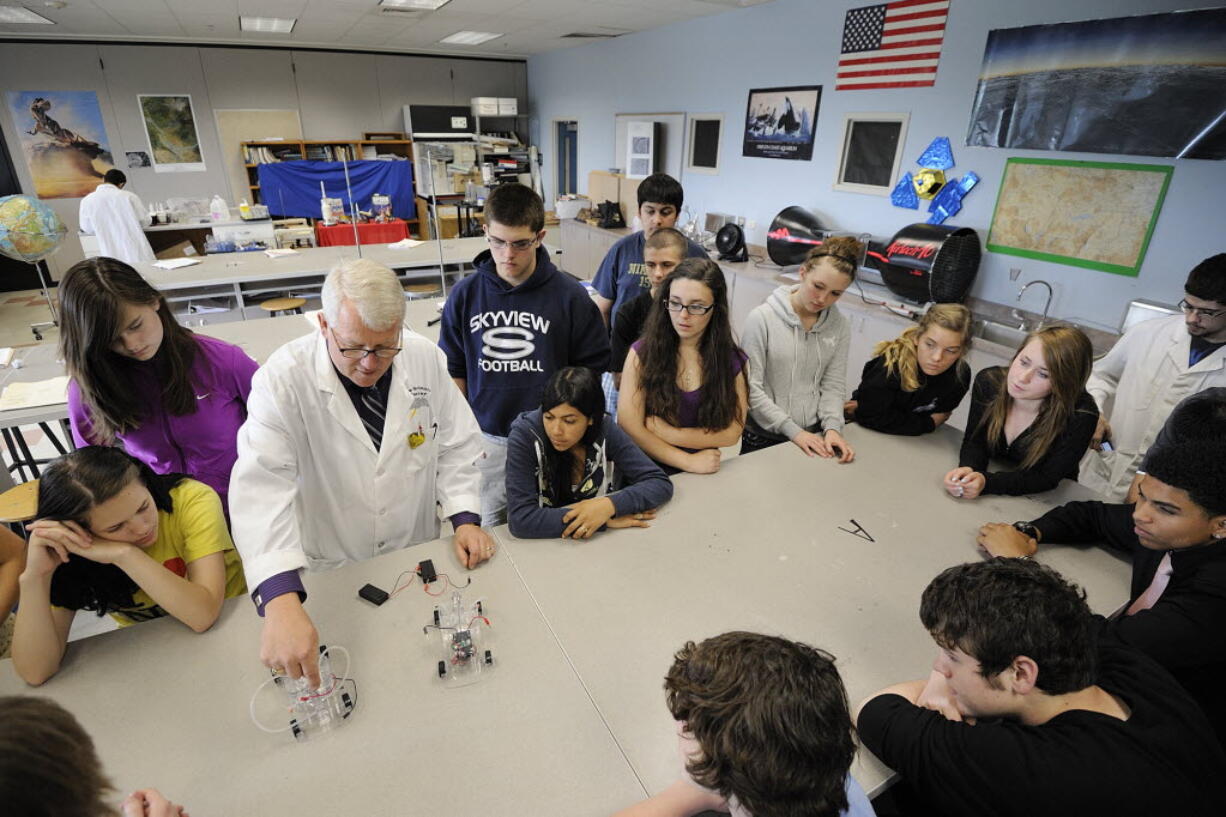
(6, 355)
(23, 395)
(280, 253)
(405, 244)
(176, 263)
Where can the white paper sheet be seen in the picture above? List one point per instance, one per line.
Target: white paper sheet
(36, 393)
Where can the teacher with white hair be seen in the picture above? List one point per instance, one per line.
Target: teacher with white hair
(353, 436)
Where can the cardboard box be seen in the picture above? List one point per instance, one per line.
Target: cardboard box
(602, 186)
(507, 106)
(177, 251)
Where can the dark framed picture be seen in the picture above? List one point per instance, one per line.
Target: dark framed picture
(779, 122)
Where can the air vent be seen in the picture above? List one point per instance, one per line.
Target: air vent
(398, 11)
(590, 35)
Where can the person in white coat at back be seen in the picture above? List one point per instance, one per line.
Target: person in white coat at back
(1150, 369)
(353, 435)
(117, 217)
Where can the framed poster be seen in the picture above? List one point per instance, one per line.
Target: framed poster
(702, 140)
(63, 139)
(170, 127)
(1097, 215)
(872, 152)
(779, 122)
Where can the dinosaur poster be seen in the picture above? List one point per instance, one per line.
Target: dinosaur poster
(779, 122)
(63, 139)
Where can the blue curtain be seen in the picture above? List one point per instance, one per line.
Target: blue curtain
(291, 189)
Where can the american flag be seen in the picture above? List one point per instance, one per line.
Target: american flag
(893, 45)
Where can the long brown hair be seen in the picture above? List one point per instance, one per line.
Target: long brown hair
(1068, 356)
(48, 765)
(899, 354)
(718, 408)
(92, 294)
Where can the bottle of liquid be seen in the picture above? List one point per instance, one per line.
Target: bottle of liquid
(218, 209)
(244, 209)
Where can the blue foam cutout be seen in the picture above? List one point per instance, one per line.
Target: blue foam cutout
(904, 193)
(938, 155)
(948, 201)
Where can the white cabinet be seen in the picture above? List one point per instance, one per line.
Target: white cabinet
(867, 330)
(584, 247)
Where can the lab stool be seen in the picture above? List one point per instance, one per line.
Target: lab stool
(421, 290)
(19, 504)
(291, 306)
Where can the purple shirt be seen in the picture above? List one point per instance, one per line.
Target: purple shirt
(203, 444)
(687, 406)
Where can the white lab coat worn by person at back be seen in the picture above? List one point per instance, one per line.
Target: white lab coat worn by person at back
(310, 490)
(116, 217)
(1136, 385)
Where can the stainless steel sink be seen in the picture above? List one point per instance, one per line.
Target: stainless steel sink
(999, 333)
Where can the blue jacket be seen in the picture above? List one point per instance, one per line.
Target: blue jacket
(506, 342)
(646, 486)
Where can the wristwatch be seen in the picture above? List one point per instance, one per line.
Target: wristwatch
(1027, 529)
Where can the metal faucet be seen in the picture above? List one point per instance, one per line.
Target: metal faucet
(1046, 306)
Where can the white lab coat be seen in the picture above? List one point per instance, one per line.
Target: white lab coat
(117, 217)
(1136, 385)
(310, 490)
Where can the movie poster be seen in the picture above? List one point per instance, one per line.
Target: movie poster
(779, 122)
(63, 139)
(1152, 85)
(170, 126)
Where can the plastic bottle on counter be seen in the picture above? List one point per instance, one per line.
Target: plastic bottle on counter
(244, 209)
(218, 209)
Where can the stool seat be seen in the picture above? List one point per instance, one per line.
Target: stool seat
(275, 305)
(19, 503)
(421, 290)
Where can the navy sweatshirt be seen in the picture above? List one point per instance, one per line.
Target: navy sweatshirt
(612, 461)
(506, 342)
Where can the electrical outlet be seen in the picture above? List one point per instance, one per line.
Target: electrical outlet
(751, 225)
(1015, 273)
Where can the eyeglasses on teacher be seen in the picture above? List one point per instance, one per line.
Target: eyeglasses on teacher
(1188, 309)
(360, 352)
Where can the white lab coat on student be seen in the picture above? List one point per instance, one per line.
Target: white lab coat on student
(116, 217)
(1137, 385)
(310, 490)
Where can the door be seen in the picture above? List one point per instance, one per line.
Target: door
(566, 138)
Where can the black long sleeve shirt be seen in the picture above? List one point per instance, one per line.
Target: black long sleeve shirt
(1060, 462)
(884, 406)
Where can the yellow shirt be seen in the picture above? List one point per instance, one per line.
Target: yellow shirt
(196, 528)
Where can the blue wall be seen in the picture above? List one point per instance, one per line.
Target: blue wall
(708, 65)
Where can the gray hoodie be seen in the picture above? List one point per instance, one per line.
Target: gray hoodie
(797, 379)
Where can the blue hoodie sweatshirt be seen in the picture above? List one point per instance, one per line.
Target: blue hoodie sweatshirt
(506, 342)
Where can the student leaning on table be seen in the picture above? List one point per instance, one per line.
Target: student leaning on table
(683, 394)
(797, 345)
(1175, 536)
(914, 382)
(1027, 713)
(49, 767)
(354, 435)
(172, 398)
(1035, 414)
(571, 471)
(111, 536)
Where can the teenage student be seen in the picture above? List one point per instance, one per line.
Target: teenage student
(764, 729)
(510, 325)
(571, 471)
(1202, 416)
(1151, 368)
(914, 382)
(1175, 536)
(684, 394)
(797, 345)
(1034, 413)
(49, 767)
(12, 562)
(112, 536)
(662, 252)
(172, 398)
(1026, 712)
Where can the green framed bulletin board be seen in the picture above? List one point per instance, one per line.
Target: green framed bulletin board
(1097, 215)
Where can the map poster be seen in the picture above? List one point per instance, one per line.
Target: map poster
(1097, 215)
(63, 139)
(170, 125)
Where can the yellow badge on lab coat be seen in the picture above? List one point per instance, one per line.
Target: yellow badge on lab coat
(416, 438)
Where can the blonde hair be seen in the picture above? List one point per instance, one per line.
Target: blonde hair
(1069, 357)
(899, 354)
(372, 288)
(842, 251)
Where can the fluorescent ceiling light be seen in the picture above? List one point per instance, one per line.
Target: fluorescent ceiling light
(430, 5)
(470, 38)
(19, 14)
(273, 25)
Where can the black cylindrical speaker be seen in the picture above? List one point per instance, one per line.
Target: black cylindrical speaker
(792, 234)
(931, 262)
